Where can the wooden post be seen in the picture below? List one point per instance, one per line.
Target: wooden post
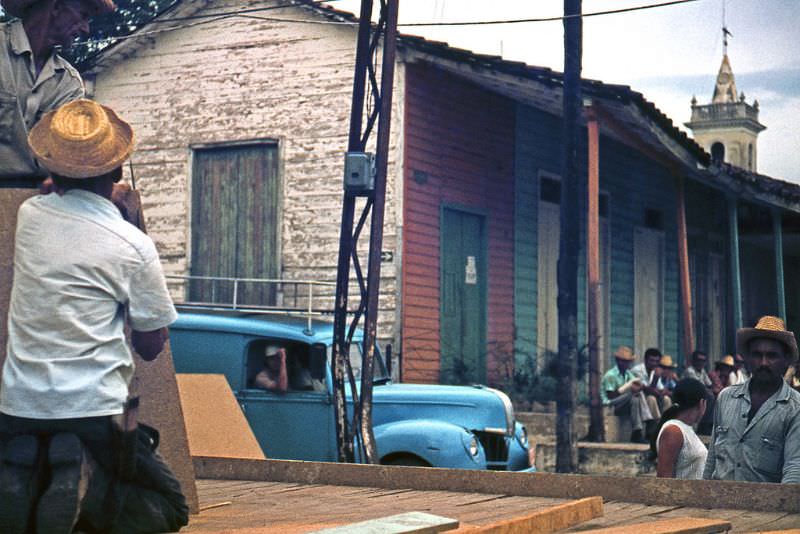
(566, 449)
(686, 281)
(736, 279)
(778, 232)
(596, 426)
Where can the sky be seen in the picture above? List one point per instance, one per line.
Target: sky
(668, 53)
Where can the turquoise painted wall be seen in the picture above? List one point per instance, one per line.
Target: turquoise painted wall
(633, 184)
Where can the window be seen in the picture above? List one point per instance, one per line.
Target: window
(653, 219)
(717, 152)
(550, 190)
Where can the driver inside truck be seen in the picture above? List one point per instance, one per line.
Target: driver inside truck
(273, 375)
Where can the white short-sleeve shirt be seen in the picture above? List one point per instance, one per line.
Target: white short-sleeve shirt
(77, 266)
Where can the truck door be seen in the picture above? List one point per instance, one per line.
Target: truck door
(296, 424)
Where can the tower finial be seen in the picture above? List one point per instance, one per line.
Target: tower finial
(725, 32)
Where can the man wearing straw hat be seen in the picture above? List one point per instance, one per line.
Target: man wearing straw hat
(34, 79)
(621, 389)
(756, 434)
(80, 272)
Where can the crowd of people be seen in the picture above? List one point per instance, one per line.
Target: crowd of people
(748, 404)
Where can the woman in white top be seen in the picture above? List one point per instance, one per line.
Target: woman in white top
(680, 452)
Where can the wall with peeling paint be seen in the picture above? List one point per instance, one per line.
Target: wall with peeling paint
(238, 80)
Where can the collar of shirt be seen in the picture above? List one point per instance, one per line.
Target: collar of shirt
(20, 45)
(743, 390)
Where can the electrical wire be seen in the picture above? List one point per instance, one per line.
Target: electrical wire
(548, 19)
(216, 17)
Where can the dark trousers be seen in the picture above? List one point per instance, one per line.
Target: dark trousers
(148, 499)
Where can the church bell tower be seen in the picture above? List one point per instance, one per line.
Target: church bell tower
(728, 127)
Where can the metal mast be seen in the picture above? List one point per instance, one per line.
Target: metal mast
(359, 183)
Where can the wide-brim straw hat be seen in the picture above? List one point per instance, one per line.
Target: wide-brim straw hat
(666, 361)
(728, 360)
(625, 353)
(81, 139)
(767, 327)
(17, 8)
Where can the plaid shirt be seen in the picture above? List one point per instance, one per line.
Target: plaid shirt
(767, 449)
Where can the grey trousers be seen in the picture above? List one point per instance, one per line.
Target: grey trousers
(149, 501)
(635, 405)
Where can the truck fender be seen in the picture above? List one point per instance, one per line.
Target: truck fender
(438, 443)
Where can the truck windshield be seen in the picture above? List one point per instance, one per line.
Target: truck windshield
(379, 373)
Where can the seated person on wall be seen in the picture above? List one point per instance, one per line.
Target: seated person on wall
(273, 376)
(669, 378)
(622, 390)
(649, 373)
(739, 374)
(720, 376)
(697, 370)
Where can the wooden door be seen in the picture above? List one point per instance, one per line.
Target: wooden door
(648, 259)
(547, 281)
(463, 298)
(716, 306)
(235, 228)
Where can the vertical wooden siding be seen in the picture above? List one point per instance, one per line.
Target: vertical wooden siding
(462, 138)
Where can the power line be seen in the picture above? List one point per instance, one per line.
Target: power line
(249, 13)
(548, 19)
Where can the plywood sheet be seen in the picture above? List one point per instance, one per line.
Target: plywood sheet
(10, 200)
(215, 424)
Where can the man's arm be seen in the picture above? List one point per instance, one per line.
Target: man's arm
(791, 452)
(711, 458)
(149, 344)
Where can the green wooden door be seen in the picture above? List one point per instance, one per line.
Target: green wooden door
(463, 298)
(235, 199)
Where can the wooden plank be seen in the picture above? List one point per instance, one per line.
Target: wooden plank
(215, 424)
(549, 520)
(682, 525)
(409, 522)
(643, 490)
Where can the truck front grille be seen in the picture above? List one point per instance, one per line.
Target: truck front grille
(496, 449)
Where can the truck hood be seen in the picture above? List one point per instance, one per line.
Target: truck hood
(476, 408)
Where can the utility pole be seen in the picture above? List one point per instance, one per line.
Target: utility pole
(566, 450)
(362, 179)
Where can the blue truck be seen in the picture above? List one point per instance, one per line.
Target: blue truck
(466, 427)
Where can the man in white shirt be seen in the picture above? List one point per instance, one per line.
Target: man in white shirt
(81, 272)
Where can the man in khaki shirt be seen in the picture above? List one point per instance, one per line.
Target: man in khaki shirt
(34, 79)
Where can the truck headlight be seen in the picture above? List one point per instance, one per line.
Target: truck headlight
(522, 437)
(471, 444)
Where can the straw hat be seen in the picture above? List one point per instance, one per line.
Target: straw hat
(81, 139)
(728, 360)
(16, 8)
(768, 327)
(666, 361)
(624, 353)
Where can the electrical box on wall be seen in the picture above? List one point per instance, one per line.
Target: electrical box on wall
(359, 173)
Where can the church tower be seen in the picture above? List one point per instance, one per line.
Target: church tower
(728, 127)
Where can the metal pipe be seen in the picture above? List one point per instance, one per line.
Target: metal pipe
(736, 279)
(777, 228)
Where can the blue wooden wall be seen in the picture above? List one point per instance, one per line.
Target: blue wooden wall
(633, 184)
